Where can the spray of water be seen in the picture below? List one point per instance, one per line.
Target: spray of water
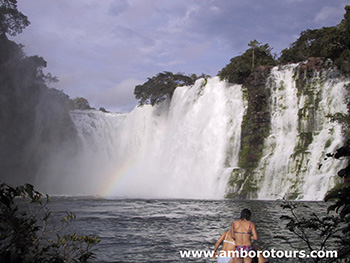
(174, 150)
(189, 146)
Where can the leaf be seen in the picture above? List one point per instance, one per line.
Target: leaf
(29, 190)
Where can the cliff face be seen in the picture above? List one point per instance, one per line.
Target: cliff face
(34, 119)
(255, 129)
(256, 123)
(266, 137)
(286, 130)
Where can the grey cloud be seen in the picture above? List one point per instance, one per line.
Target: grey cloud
(94, 47)
(329, 13)
(118, 7)
(120, 97)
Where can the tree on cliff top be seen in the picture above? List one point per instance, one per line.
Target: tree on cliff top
(241, 66)
(328, 42)
(12, 21)
(79, 103)
(160, 87)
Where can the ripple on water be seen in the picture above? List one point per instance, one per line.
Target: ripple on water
(156, 230)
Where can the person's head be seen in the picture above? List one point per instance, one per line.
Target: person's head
(246, 214)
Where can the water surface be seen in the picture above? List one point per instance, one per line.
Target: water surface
(150, 230)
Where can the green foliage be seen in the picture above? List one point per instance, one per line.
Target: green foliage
(305, 139)
(27, 228)
(340, 195)
(103, 110)
(31, 113)
(252, 146)
(241, 66)
(317, 233)
(343, 62)
(334, 228)
(201, 76)
(327, 42)
(79, 103)
(11, 20)
(255, 126)
(160, 87)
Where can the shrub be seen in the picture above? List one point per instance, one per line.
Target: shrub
(26, 235)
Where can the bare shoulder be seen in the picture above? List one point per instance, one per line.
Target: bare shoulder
(224, 234)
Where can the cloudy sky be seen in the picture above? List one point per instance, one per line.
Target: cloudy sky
(102, 49)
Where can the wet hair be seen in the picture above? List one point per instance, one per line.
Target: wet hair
(246, 214)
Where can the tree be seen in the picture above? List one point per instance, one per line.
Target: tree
(328, 42)
(253, 44)
(335, 227)
(328, 232)
(160, 87)
(28, 232)
(315, 232)
(11, 20)
(340, 197)
(241, 66)
(35, 120)
(79, 103)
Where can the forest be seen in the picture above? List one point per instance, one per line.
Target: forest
(27, 102)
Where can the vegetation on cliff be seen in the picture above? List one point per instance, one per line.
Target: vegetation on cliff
(240, 67)
(339, 196)
(319, 47)
(35, 122)
(251, 69)
(79, 103)
(327, 42)
(161, 87)
(12, 21)
(33, 115)
(332, 231)
(34, 118)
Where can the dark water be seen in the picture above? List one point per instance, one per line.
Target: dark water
(156, 230)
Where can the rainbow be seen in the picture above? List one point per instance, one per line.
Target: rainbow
(123, 172)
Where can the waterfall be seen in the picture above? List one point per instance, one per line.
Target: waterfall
(189, 147)
(177, 149)
(293, 164)
(279, 146)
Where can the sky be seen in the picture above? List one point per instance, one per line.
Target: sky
(102, 49)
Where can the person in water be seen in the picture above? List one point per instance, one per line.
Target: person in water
(228, 246)
(244, 232)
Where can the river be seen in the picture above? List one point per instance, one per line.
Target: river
(156, 230)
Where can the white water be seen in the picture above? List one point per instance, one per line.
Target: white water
(280, 144)
(284, 170)
(187, 148)
(173, 150)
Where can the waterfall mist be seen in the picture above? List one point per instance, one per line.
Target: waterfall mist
(177, 149)
(189, 147)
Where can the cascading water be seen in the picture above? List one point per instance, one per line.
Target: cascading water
(301, 135)
(174, 150)
(189, 147)
(280, 144)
